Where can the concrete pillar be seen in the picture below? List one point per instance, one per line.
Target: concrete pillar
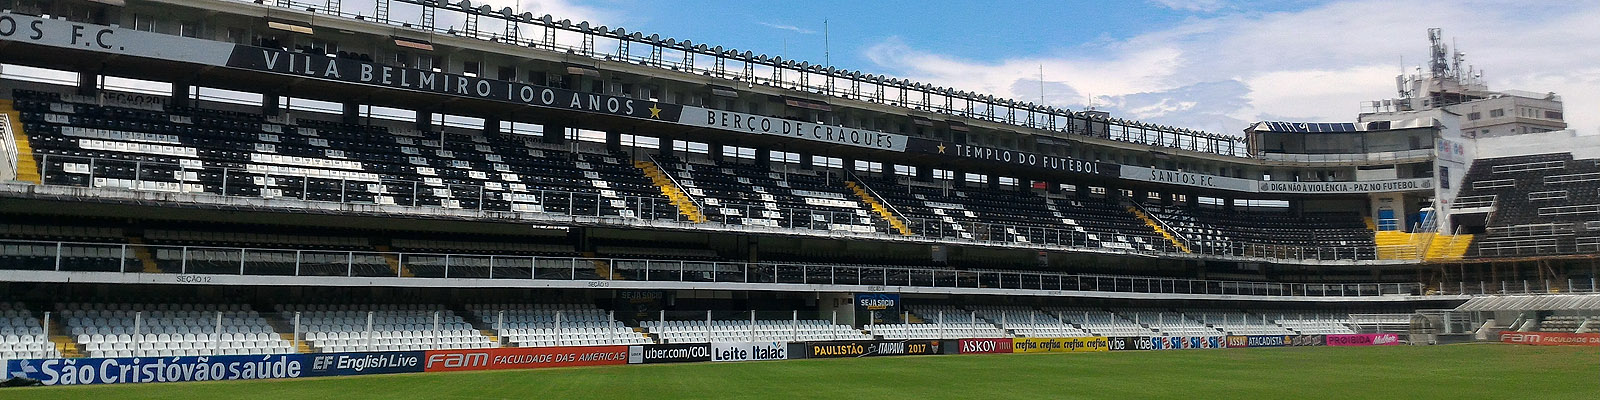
(764, 161)
(613, 141)
(424, 121)
(555, 133)
(271, 103)
(89, 83)
(491, 127)
(180, 94)
(714, 149)
(351, 113)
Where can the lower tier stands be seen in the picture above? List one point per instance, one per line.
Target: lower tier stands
(938, 331)
(22, 335)
(162, 330)
(548, 325)
(383, 327)
(744, 331)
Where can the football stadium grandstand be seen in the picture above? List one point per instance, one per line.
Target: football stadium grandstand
(194, 180)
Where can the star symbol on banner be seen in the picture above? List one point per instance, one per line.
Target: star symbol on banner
(655, 112)
(941, 148)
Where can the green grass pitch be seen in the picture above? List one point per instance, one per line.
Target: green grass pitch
(1472, 371)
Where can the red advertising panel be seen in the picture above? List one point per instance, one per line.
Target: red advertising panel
(1551, 338)
(984, 346)
(522, 358)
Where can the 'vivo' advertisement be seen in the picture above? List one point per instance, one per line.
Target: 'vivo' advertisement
(87, 371)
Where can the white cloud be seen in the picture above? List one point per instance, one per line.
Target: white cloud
(787, 27)
(1190, 5)
(1221, 72)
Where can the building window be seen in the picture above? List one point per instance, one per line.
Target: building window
(470, 68)
(1474, 116)
(1497, 113)
(783, 157)
(827, 162)
(690, 147)
(1552, 115)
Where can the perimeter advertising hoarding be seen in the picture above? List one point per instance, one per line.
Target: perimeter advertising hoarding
(1060, 345)
(85, 371)
(522, 358)
(1128, 343)
(868, 348)
(1551, 338)
(983, 346)
(1367, 339)
(749, 351)
(1276, 340)
(668, 353)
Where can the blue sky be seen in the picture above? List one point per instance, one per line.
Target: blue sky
(1214, 65)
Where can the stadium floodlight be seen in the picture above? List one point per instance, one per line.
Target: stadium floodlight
(748, 54)
(525, 16)
(583, 25)
(547, 19)
(507, 12)
(565, 23)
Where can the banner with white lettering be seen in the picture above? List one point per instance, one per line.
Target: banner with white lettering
(1254, 186)
(1011, 157)
(763, 125)
(86, 371)
(749, 351)
(668, 353)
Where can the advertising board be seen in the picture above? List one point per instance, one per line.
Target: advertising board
(85, 371)
(521, 358)
(983, 346)
(1060, 345)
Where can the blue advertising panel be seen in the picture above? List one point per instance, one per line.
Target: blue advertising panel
(87, 371)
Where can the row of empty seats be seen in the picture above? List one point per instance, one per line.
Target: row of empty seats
(547, 325)
(744, 331)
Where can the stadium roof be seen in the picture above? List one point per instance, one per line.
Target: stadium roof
(1536, 302)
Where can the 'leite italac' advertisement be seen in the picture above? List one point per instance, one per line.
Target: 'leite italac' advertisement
(1060, 345)
(521, 358)
(746, 351)
(86, 371)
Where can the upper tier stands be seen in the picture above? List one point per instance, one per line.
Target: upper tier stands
(240, 154)
(1537, 205)
(744, 194)
(1241, 233)
(1015, 216)
(145, 330)
(81, 141)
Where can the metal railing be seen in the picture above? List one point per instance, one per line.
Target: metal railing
(75, 171)
(1347, 157)
(778, 73)
(240, 261)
